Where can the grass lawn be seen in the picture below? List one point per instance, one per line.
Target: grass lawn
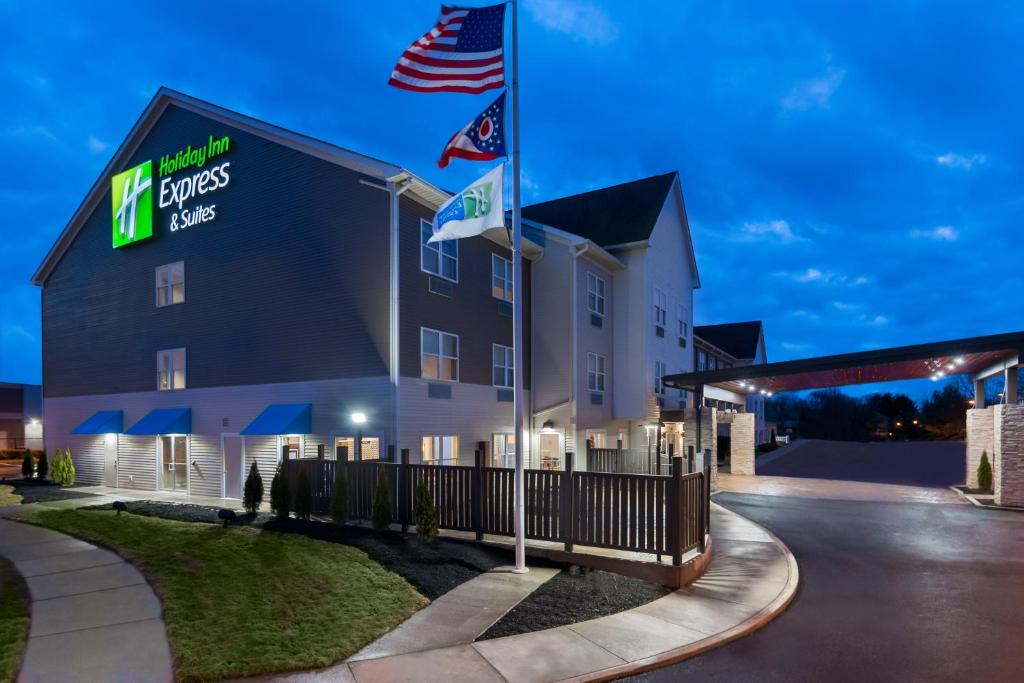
(13, 620)
(240, 601)
(8, 496)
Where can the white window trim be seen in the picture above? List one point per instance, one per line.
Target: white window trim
(458, 358)
(507, 368)
(439, 256)
(280, 445)
(660, 293)
(594, 278)
(684, 326)
(508, 263)
(170, 378)
(169, 267)
(440, 438)
(603, 373)
(659, 380)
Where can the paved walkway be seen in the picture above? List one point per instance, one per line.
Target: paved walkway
(751, 579)
(802, 487)
(94, 617)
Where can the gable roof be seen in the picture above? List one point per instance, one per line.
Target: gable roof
(739, 340)
(610, 216)
(166, 97)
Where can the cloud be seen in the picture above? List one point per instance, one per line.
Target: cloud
(816, 275)
(841, 306)
(14, 331)
(792, 346)
(575, 18)
(942, 233)
(815, 93)
(874, 321)
(805, 314)
(954, 160)
(32, 132)
(768, 230)
(96, 145)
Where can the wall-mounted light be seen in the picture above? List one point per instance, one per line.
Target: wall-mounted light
(358, 418)
(33, 421)
(548, 427)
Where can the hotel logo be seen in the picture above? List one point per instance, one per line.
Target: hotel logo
(132, 195)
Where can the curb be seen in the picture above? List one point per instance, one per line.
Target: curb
(745, 628)
(973, 501)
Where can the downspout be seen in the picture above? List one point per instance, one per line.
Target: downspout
(574, 355)
(394, 190)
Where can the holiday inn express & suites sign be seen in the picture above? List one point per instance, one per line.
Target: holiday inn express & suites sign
(183, 179)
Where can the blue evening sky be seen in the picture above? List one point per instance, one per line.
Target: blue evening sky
(852, 170)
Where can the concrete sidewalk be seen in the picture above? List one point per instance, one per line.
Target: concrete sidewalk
(835, 489)
(752, 578)
(94, 617)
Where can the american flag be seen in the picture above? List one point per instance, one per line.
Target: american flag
(461, 53)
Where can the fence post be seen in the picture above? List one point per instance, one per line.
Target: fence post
(675, 500)
(405, 489)
(482, 447)
(705, 530)
(477, 492)
(567, 502)
(391, 453)
(690, 456)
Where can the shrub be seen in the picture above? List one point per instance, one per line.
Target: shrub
(339, 506)
(27, 466)
(42, 467)
(252, 496)
(775, 438)
(303, 495)
(63, 470)
(280, 496)
(984, 473)
(119, 506)
(227, 516)
(382, 502)
(426, 513)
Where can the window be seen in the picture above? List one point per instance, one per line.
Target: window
(501, 278)
(712, 362)
(659, 373)
(294, 444)
(503, 364)
(595, 294)
(660, 308)
(597, 439)
(503, 450)
(702, 361)
(683, 325)
(439, 355)
(439, 258)
(170, 369)
(440, 450)
(623, 438)
(369, 445)
(170, 284)
(595, 372)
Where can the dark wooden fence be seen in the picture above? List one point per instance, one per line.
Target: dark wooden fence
(657, 514)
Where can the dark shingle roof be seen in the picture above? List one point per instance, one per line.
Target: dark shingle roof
(619, 214)
(739, 340)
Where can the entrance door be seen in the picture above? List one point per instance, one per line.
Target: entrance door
(231, 446)
(550, 453)
(110, 460)
(174, 463)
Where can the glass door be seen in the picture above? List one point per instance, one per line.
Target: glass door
(550, 453)
(174, 463)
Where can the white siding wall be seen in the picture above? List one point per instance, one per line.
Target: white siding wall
(87, 452)
(599, 340)
(206, 459)
(630, 311)
(136, 460)
(551, 331)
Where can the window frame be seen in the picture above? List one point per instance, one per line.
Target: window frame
(441, 355)
(177, 267)
(702, 360)
(660, 307)
(169, 353)
(684, 327)
(600, 371)
(508, 370)
(599, 297)
(437, 248)
(440, 440)
(506, 282)
(508, 447)
(659, 379)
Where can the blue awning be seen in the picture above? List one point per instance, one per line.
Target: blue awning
(282, 418)
(102, 422)
(163, 421)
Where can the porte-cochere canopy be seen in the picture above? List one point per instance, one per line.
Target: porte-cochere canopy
(978, 357)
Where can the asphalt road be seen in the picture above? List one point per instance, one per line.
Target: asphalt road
(917, 463)
(888, 592)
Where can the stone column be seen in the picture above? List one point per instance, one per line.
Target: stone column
(980, 437)
(708, 437)
(1010, 387)
(1008, 481)
(743, 435)
(979, 393)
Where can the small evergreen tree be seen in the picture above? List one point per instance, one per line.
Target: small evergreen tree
(63, 470)
(252, 496)
(27, 465)
(43, 466)
(426, 513)
(303, 495)
(280, 496)
(382, 502)
(775, 440)
(339, 506)
(984, 473)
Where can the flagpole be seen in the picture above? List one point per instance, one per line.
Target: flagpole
(517, 308)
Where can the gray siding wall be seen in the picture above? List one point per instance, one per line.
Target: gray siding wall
(288, 283)
(471, 312)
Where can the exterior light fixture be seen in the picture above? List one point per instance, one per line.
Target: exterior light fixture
(548, 427)
(899, 424)
(940, 373)
(768, 393)
(915, 421)
(959, 360)
(950, 367)
(359, 418)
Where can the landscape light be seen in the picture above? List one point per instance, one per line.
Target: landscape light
(359, 418)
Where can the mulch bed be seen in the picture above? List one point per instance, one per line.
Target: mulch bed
(436, 568)
(34, 491)
(575, 595)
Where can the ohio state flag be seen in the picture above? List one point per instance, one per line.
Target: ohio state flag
(482, 139)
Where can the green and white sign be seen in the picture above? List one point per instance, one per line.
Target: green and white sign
(132, 191)
(132, 194)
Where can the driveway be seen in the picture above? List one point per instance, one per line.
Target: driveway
(888, 592)
(10, 469)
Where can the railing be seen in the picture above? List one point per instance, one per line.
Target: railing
(664, 515)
